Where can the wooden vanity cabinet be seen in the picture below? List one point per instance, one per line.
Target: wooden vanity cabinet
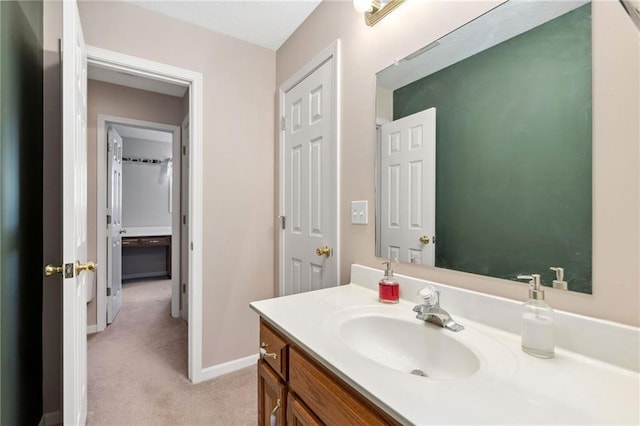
(309, 393)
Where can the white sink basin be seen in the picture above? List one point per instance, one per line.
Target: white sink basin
(410, 346)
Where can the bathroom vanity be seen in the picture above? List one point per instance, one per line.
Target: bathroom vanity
(337, 356)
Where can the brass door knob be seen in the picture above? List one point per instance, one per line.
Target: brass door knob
(89, 267)
(50, 270)
(323, 251)
(424, 239)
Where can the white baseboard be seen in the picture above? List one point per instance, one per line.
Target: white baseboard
(92, 329)
(225, 368)
(50, 419)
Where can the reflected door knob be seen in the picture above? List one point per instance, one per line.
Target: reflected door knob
(424, 239)
(89, 267)
(323, 251)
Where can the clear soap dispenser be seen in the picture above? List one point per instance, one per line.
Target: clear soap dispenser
(537, 321)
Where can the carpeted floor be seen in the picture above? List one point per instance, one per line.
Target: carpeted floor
(138, 370)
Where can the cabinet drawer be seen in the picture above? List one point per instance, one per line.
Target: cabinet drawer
(130, 241)
(155, 241)
(332, 401)
(277, 350)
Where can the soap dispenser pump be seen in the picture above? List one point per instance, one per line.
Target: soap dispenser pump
(537, 321)
(559, 283)
(388, 287)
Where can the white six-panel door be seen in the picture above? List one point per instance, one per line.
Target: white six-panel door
(115, 230)
(74, 217)
(310, 196)
(407, 188)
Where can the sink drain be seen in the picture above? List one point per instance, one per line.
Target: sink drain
(418, 372)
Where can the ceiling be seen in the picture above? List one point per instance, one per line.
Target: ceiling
(267, 23)
(121, 78)
(132, 132)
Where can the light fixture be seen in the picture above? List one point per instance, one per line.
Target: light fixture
(375, 10)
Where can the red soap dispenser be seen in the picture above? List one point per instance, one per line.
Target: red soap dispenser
(388, 287)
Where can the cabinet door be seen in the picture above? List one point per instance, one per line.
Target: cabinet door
(272, 396)
(299, 414)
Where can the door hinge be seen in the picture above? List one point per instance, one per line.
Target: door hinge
(184, 219)
(184, 150)
(283, 221)
(108, 219)
(109, 147)
(283, 123)
(184, 288)
(192, 246)
(108, 291)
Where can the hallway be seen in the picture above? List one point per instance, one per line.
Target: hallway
(137, 370)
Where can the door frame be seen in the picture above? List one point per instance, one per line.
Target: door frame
(101, 220)
(194, 81)
(331, 52)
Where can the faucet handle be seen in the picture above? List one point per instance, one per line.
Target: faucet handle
(430, 295)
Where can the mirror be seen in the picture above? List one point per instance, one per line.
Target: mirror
(484, 147)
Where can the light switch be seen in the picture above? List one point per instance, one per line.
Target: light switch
(359, 212)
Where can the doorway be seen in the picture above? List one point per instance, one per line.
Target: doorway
(165, 74)
(139, 214)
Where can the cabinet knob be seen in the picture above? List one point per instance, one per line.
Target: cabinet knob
(265, 354)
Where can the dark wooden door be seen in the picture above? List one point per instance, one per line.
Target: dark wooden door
(21, 207)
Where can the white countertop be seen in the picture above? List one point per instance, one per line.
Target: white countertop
(511, 387)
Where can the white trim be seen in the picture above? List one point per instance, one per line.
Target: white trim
(331, 52)
(91, 329)
(227, 367)
(142, 67)
(50, 419)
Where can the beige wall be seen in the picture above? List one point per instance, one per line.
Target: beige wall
(238, 154)
(616, 135)
(124, 102)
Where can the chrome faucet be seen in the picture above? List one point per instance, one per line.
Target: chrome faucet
(431, 311)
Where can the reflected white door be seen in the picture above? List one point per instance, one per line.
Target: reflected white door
(74, 217)
(310, 174)
(408, 188)
(114, 229)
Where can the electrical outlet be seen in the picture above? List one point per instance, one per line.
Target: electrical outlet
(359, 212)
